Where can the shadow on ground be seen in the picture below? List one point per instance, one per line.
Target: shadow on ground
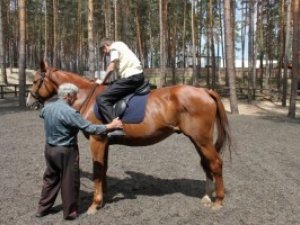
(141, 184)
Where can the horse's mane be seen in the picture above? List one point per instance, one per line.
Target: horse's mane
(74, 77)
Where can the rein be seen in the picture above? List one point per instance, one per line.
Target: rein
(43, 76)
(85, 102)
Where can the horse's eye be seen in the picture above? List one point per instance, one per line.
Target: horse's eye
(34, 82)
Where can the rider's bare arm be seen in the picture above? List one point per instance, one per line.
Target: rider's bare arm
(110, 69)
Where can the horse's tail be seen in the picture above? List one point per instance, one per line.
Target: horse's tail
(224, 134)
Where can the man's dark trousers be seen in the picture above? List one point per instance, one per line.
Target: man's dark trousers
(119, 89)
(62, 172)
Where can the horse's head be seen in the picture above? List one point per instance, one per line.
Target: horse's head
(43, 87)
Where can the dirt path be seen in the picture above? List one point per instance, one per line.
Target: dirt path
(163, 183)
(261, 108)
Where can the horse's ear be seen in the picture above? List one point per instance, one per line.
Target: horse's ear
(43, 65)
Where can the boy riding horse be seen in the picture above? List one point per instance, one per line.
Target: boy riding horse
(129, 68)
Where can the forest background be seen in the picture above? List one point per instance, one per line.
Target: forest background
(195, 42)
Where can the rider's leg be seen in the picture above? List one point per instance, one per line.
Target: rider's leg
(116, 91)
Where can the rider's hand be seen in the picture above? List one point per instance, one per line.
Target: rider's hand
(98, 81)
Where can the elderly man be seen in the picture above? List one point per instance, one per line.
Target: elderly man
(129, 69)
(62, 124)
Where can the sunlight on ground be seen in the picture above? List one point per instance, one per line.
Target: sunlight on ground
(260, 108)
(257, 108)
(13, 76)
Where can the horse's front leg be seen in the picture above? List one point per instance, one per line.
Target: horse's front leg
(99, 149)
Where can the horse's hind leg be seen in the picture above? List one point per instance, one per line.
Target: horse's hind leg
(209, 186)
(212, 166)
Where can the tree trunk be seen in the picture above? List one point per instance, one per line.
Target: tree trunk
(3, 77)
(208, 54)
(107, 18)
(183, 40)
(260, 42)
(281, 46)
(163, 9)
(212, 44)
(8, 32)
(91, 62)
(79, 38)
(173, 40)
(55, 34)
(48, 31)
(194, 79)
(151, 38)
(229, 49)
(40, 34)
(15, 38)
(22, 54)
(243, 33)
(286, 53)
(221, 42)
(116, 20)
(125, 23)
(138, 32)
(295, 68)
(252, 54)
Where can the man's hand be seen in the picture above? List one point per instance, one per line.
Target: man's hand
(115, 124)
(98, 81)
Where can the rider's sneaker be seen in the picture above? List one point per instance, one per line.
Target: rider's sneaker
(116, 133)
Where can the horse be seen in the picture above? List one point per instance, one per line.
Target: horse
(194, 112)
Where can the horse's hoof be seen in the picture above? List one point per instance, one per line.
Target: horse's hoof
(206, 201)
(92, 210)
(216, 206)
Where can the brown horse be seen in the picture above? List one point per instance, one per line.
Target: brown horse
(182, 109)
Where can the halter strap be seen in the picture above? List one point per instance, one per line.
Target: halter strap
(36, 94)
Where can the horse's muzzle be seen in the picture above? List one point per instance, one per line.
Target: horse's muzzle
(33, 103)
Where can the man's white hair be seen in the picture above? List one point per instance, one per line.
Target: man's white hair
(67, 89)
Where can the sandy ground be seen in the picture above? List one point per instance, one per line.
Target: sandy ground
(263, 108)
(162, 183)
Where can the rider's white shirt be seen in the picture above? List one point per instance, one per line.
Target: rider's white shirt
(127, 62)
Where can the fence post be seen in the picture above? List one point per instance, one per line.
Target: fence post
(2, 94)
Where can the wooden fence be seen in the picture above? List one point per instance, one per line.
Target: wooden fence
(179, 76)
(9, 89)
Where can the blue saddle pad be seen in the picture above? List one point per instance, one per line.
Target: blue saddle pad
(134, 112)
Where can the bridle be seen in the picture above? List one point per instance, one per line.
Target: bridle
(39, 82)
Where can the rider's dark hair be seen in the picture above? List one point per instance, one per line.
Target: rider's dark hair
(105, 41)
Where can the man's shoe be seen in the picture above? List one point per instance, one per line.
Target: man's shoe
(72, 216)
(41, 214)
(116, 133)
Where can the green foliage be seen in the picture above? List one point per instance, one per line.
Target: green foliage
(72, 25)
